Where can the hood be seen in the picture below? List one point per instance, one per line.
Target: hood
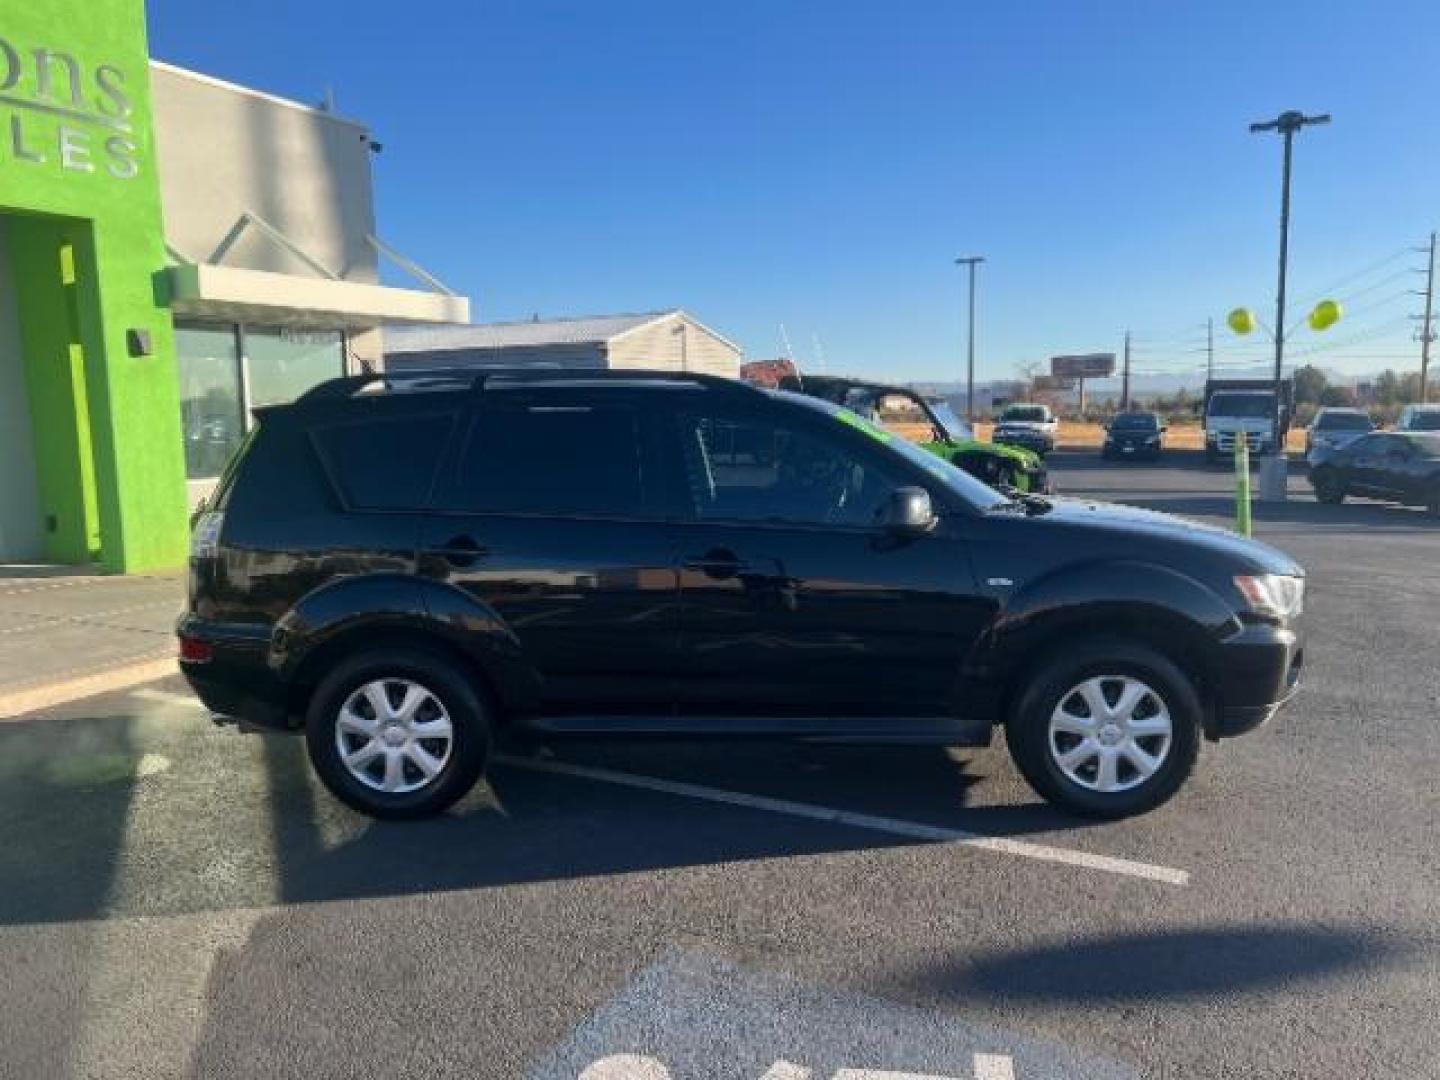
(1147, 532)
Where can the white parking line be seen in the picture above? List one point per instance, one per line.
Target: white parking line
(912, 830)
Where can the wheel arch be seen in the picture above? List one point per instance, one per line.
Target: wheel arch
(349, 615)
(1144, 604)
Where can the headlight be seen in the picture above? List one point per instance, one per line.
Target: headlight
(1152, 440)
(1273, 594)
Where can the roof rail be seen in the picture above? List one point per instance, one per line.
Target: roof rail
(457, 378)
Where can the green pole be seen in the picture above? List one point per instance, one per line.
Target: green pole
(1242, 484)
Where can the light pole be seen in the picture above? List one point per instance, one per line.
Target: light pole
(1273, 478)
(971, 261)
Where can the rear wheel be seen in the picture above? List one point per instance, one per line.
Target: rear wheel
(1109, 729)
(397, 734)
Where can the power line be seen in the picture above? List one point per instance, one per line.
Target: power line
(1347, 279)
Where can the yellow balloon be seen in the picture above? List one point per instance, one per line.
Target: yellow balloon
(1326, 314)
(1241, 320)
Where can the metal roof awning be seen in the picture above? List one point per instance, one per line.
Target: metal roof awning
(233, 294)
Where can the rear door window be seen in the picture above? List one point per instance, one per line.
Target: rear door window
(563, 459)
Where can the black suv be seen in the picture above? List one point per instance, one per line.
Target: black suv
(408, 567)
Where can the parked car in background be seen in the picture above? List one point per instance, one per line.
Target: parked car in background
(1419, 418)
(1024, 424)
(1335, 427)
(1397, 466)
(1134, 435)
(405, 568)
(933, 424)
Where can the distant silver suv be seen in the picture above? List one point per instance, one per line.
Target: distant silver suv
(1419, 418)
(1335, 427)
(1025, 424)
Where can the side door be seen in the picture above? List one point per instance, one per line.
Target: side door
(793, 602)
(549, 514)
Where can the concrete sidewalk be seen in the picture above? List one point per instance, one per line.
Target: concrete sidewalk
(66, 632)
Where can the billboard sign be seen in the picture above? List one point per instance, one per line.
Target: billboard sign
(1085, 366)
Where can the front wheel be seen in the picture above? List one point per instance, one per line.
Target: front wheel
(1328, 488)
(397, 734)
(1108, 729)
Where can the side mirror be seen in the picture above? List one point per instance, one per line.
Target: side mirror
(907, 512)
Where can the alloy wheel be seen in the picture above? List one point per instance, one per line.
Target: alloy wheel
(394, 735)
(1110, 733)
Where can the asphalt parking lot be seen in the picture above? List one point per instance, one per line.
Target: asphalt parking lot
(181, 900)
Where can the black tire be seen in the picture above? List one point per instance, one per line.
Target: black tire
(1432, 502)
(1211, 456)
(469, 721)
(1328, 488)
(1028, 726)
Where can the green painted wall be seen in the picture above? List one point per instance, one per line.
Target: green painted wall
(77, 164)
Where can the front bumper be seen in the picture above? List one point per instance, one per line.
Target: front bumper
(1257, 442)
(1132, 448)
(236, 681)
(1037, 441)
(1258, 672)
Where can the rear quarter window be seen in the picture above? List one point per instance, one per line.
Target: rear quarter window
(384, 463)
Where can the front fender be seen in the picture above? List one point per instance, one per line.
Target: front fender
(1114, 596)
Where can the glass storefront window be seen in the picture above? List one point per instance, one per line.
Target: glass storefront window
(219, 385)
(212, 413)
(283, 364)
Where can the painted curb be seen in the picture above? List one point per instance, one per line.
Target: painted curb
(15, 705)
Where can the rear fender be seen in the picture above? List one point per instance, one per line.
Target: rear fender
(389, 604)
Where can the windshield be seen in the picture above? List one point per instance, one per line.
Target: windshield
(1025, 414)
(974, 492)
(955, 427)
(1343, 422)
(1429, 445)
(1135, 422)
(1428, 420)
(1245, 406)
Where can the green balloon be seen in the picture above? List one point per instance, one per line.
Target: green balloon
(1241, 320)
(1325, 315)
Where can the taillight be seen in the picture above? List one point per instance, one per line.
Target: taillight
(205, 538)
(195, 651)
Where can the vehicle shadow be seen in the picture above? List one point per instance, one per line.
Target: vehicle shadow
(1204, 962)
(527, 824)
(240, 821)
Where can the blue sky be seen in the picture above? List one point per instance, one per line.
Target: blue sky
(821, 164)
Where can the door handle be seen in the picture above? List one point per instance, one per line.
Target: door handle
(459, 550)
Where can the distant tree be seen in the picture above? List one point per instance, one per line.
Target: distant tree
(1334, 395)
(1310, 384)
(1387, 389)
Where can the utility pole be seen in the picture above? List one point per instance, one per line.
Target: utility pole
(971, 261)
(1209, 348)
(1272, 481)
(1125, 379)
(1427, 335)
